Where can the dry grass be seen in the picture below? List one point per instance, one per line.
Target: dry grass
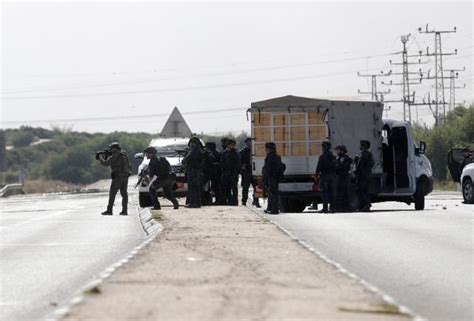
(44, 186)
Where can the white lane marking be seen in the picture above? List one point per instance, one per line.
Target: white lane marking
(46, 244)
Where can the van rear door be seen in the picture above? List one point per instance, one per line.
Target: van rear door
(403, 157)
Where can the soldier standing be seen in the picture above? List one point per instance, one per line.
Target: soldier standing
(246, 173)
(273, 170)
(230, 164)
(215, 171)
(194, 161)
(326, 171)
(363, 172)
(121, 170)
(159, 171)
(343, 179)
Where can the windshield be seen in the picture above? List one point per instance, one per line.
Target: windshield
(170, 150)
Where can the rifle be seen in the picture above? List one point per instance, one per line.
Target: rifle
(141, 176)
(105, 152)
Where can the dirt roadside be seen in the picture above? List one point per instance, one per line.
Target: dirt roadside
(223, 263)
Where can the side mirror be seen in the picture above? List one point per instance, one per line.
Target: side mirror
(422, 149)
(139, 156)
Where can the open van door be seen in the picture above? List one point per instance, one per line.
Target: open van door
(403, 159)
(455, 157)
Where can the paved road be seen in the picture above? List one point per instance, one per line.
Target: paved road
(422, 259)
(51, 246)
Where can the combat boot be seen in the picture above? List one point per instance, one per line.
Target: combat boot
(107, 212)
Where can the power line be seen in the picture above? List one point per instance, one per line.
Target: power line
(226, 73)
(109, 118)
(160, 90)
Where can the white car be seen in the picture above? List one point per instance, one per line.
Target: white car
(467, 181)
(173, 148)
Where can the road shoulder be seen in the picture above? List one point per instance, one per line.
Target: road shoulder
(226, 263)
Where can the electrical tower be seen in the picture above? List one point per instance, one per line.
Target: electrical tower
(453, 75)
(376, 95)
(439, 78)
(408, 98)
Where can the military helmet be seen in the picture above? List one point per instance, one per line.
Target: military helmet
(150, 150)
(211, 145)
(365, 143)
(270, 145)
(115, 145)
(326, 144)
(195, 140)
(342, 148)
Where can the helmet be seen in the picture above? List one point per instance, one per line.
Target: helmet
(270, 145)
(248, 139)
(115, 145)
(231, 142)
(150, 150)
(211, 145)
(195, 140)
(365, 143)
(326, 144)
(342, 148)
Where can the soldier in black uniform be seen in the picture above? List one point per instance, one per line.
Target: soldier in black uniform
(326, 171)
(215, 171)
(467, 159)
(121, 170)
(194, 161)
(363, 173)
(208, 172)
(230, 165)
(246, 173)
(159, 172)
(273, 170)
(343, 179)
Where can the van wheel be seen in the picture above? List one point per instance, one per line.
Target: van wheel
(420, 196)
(144, 199)
(468, 191)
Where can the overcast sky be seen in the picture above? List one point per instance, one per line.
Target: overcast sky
(72, 61)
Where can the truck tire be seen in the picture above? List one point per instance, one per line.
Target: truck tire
(468, 191)
(144, 199)
(420, 196)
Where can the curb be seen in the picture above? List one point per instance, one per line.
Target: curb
(151, 229)
(372, 288)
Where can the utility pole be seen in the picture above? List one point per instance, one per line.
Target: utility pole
(453, 75)
(376, 95)
(406, 81)
(439, 78)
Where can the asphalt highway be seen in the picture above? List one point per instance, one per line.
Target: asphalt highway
(52, 245)
(422, 259)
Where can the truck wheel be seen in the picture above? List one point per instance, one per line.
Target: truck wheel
(144, 199)
(420, 196)
(468, 191)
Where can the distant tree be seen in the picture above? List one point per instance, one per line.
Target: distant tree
(22, 139)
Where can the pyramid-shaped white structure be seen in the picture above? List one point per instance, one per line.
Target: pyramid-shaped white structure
(176, 126)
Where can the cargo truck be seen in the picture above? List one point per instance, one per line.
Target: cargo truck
(299, 125)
